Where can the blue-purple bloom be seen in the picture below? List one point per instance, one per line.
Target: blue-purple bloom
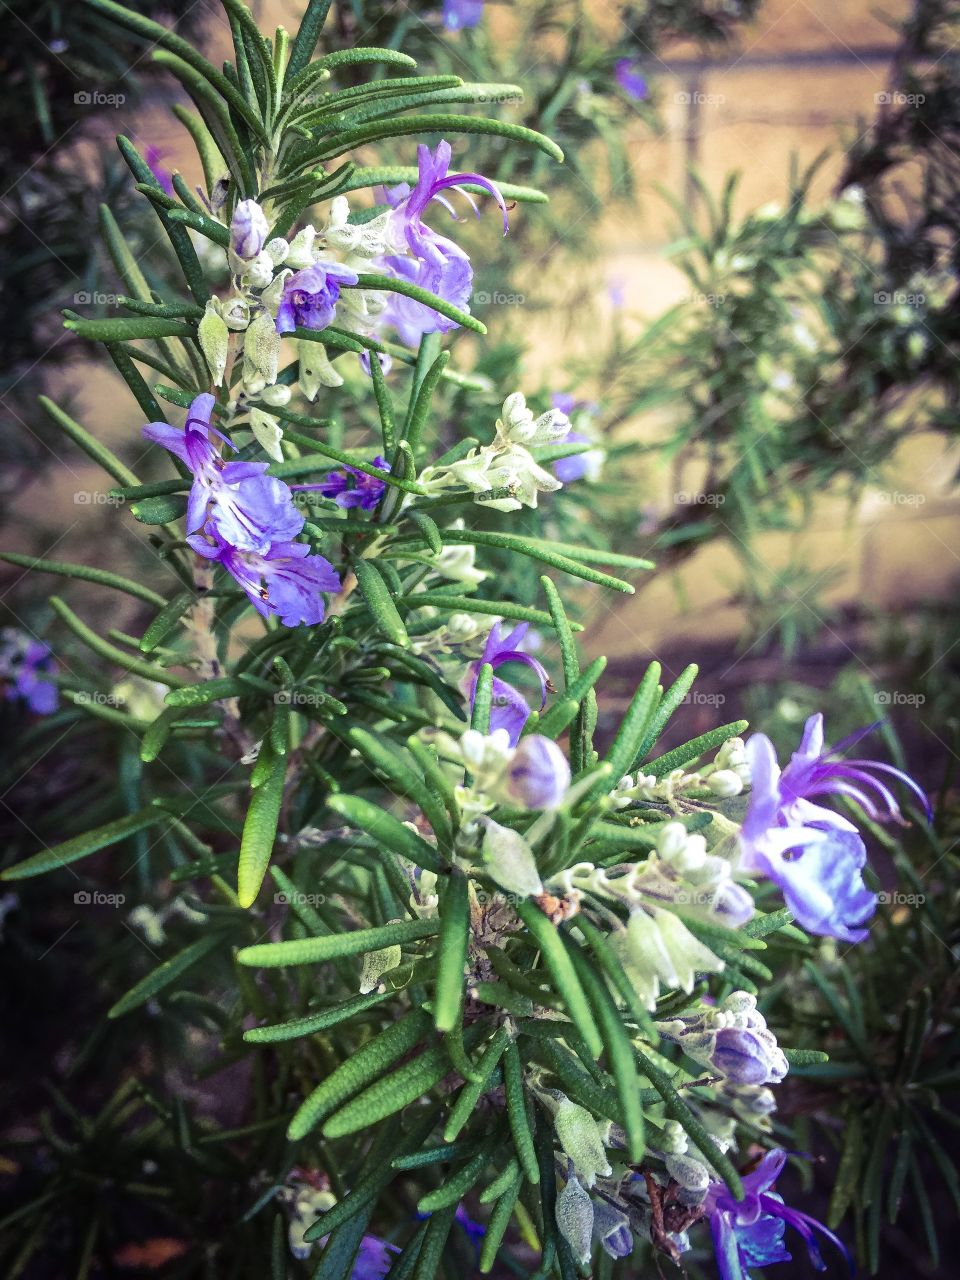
(28, 665)
(749, 1233)
(437, 263)
(352, 488)
(628, 77)
(509, 709)
(374, 1259)
(815, 855)
(741, 1056)
(285, 579)
(578, 465)
(310, 296)
(153, 155)
(458, 14)
(238, 500)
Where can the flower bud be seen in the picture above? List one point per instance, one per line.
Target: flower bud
(375, 965)
(580, 1138)
(612, 1229)
(316, 371)
(740, 1055)
(276, 396)
(259, 273)
(733, 904)
(261, 354)
(236, 313)
(538, 775)
(725, 783)
(689, 1173)
(574, 1211)
(248, 230)
(300, 252)
(214, 338)
(267, 432)
(509, 860)
(277, 249)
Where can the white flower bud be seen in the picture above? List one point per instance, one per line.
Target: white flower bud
(725, 783)
(300, 251)
(672, 841)
(236, 313)
(261, 354)
(214, 338)
(509, 860)
(581, 1139)
(277, 248)
(375, 965)
(267, 432)
(316, 371)
(276, 396)
(690, 1173)
(574, 1212)
(259, 273)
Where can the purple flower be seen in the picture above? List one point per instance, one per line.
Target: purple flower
(352, 488)
(538, 775)
(247, 508)
(458, 14)
(285, 579)
(612, 1229)
(153, 155)
(816, 856)
(374, 1259)
(628, 77)
(578, 465)
(310, 296)
(749, 1233)
(509, 710)
(28, 664)
(440, 265)
(741, 1056)
(248, 230)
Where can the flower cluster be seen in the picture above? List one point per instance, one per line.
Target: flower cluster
(247, 521)
(26, 666)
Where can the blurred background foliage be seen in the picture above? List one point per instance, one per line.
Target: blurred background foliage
(815, 337)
